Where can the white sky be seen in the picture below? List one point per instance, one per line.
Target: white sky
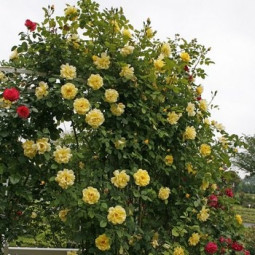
(228, 26)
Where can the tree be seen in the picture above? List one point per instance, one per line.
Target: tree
(143, 172)
(245, 159)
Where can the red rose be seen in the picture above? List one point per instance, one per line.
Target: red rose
(236, 246)
(199, 98)
(23, 112)
(246, 252)
(186, 68)
(213, 200)
(19, 213)
(211, 248)
(229, 192)
(11, 94)
(222, 239)
(30, 25)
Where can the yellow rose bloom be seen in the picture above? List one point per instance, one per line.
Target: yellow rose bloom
(117, 109)
(111, 95)
(173, 117)
(102, 62)
(120, 179)
(14, 55)
(164, 193)
(69, 91)
(239, 219)
(194, 239)
(62, 155)
(127, 50)
(90, 195)
(214, 186)
(43, 145)
(95, 81)
(30, 148)
(127, 72)
(190, 169)
(205, 185)
(41, 91)
(142, 178)
(207, 121)
(116, 215)
(159, 64)
(203, 215)
(185, 57)
(149, 32)
(190, 133)
(5, 103)
(178, 251)
(103, 242)
(205, 150)
(115, 26)
(169, 159)
(70, 10)
(63, 214)
(126, 33)
(203, 105)
(2, 76)
(190, 109)
(81, 105)
(154, 241)
(65, 178)
(68, 72)
(199, 90)
(95, 118)
(165, 49)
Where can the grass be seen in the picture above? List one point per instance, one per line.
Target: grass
(248, 214)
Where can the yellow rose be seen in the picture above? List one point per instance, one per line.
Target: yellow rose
(43, 145)
(185, 57)
(142, 178)
(199, 90)
(203, 105)
(214, 186)
(63, 214)
(190, 109)
(169, 159)
(205, 150)
(95, 81)
(90, 195)
(103, 242)
(111, 95)
(126, 50)
(115, 26)
(120, 179)
(14, 54)
(62, 155)
(94, 118)
(190, 133)
(194, 239)
(69, 91)
(165, 49)
(154, 241)
(65, 178)
(117, 109)
(207, 121)
(203, 215)
(178, 251)
(127, 72)
(68, 72)
(205, 185)
(2, 76)
(81, 105)
(103, 62)
(30, 148)
(5, 103)
(159, 64)
(190, 169)
(164, 193)
(70, 10)
(239, 219)
(126, 33)
(173, 117)
(41, 91)
(33, 215)
(116, 215)
(149, 32)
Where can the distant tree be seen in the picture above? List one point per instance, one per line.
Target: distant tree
(245, 160)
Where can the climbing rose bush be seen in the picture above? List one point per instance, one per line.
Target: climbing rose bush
(141, 170)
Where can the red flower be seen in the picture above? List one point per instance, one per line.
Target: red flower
(211, 248)
(186, 68)
(222, 239)
(199, 98)
(23, 112)
(237, 246)
(229, 192)
(228, 241)
(246, 252)
(213, 200)
(30, 25)
(11, 94)
(19, 213)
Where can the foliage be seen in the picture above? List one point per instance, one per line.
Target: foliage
(247, 185)
(143, 147)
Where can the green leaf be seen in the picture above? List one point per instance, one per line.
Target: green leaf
(175, 232)
(14, 179)
(103, 223)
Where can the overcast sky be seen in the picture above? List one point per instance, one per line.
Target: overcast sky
(228, 26)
